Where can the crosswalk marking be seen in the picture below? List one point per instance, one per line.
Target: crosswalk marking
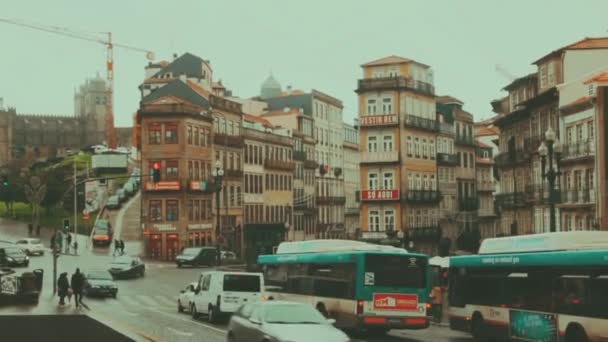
(146, 300)
(135, 301)
(166, 300)
(129, 300)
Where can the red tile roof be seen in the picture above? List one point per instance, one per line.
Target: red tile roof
(198, 89)
(279, 112)
(480, 144)
(601, 77)
(579, 100)
(484, 161)
(583, 44)
(158, 80)
(253, 118)
(387, 60)
(484, 131)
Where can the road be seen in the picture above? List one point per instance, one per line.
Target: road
(147, 306)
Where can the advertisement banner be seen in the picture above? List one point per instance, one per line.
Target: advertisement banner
(8, 284)
(395, 301)
(93, 196)
(533, 326)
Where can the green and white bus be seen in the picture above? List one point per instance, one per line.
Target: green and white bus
(362, 286)
(543, 287)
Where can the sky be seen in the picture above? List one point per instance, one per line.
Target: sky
(308, 44)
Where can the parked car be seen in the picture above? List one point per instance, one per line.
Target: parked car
(102, 233)
(13, 256)
(122, 195)
(31, 246)
(127, 266)
(123, 150)
(113, 202)
(196, 256)
(282, 321)
(220, 293)
(129, 189)
(227, 255)
(100, 283)
(184, 300)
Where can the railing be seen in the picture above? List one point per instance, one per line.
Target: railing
(503, 159)
(422, 196)
(422, 123)
(310, 164)
(430, 232)
(468, 204)
(486, 212)
(578, 150)
(532, 143)
(374, 235)
(511, 199)
(299, 155)
(279, 164)
(352, 211)
(331, 200)
(464, 140)
(380, 157)
(233, 174)
(447, 128)
(447, 159)
(395, 83)
(486, 186)
(580, 196)
(228, 140)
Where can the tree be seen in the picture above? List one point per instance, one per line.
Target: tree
(35, 191)
(14, 191)
(55, 188)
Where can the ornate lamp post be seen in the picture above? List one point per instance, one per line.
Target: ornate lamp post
(553, 150)
(218, 175)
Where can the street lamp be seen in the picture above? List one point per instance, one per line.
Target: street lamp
(286, 235)
(553, 149)
(218, 175)
(401, 237)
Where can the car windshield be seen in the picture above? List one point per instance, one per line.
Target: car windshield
(293, 314)
(241, 283)
(191, 251)
(122, 261)
(35, 241)
(99, 276)
(101, 224)
(13, 251)
(101, 230)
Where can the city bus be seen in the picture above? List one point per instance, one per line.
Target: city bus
(542, 287)
(364, 287)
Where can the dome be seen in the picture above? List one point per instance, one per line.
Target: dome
(270, 88)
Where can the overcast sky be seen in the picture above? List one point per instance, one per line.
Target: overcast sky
(309, 44)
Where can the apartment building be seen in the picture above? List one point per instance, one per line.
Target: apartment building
(351, 180)
(485, 185)
(534, 106)
(398, 131)
(599, 82)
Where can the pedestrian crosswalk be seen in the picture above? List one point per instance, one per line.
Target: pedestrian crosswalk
(134, 301)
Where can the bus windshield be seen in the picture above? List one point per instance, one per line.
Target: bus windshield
(396, 270)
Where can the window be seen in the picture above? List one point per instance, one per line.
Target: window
(372, 144)
(156, 211)
(189, 134)
(171, 169)
(374, 221)
(388, 181)
(409, 146)
(389, 220)
(471, 164)
(387, 105)
(432, 149)
(590, 132)
(417, 147)
(372, 181)
(433, 183)
(171, 134)
(371, 106)
(154, 133)
(425, 150)
(172, 210)
(388, 143)
(425, 182)
(579, 133)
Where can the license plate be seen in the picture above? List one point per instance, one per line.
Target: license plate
(394, 321)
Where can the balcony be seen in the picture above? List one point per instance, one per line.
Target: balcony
(282, 165)
(395, 83)
(429, 232)
(504, 159)
(310, 164)
(464, 140)
(307, 208)
(578, 151)
(468, 204)
(422, 196)
(374, 235)
(233, 174)
(299, 155)
(446, 128)
(577, 197)
(421, 123)
(486, 213)
(335, 200)
(511, 200)
(378, 120)
(446, 159)
(532, 143)
(352, 211)
(486, 186)
(380, 195)
(379, 157)
(235, 141)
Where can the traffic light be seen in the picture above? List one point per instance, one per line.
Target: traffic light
(156, 172)
(66, 224)
(4, 179)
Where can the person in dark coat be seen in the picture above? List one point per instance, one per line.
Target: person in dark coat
(68, 244)
(62, 287)
(77, 286)
(122, 247)
(116, 247)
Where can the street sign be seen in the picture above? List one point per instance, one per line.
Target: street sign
(85, 217)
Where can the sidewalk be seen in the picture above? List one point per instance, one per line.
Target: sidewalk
(11, 231)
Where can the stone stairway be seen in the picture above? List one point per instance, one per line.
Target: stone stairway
(131, 229)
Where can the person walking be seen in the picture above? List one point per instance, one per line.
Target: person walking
(116, 247)
(76, 246)
(68, 244)
(62, 287)
(437, 302)
(77, 286)
(122, 247)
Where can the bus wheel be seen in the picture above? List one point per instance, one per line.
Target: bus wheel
(575, 333)
(477, 329)
(321, 308)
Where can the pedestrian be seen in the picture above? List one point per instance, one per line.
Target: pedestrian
(53, 240)
(76, 247)
(30, 228)
(77, 286)
(62, 287)
(437, 301)
(116, 247)
(122, 247)
(68, 244)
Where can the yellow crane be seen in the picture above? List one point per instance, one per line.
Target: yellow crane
(104, 38)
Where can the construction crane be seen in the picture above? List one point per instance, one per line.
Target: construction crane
(104, 38)
(505, 73)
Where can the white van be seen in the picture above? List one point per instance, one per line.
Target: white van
(220, 293)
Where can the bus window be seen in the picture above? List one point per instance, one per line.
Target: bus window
(599, 296)
(397, 270)
(572, 291)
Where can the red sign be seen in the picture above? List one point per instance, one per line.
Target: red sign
(160, 186)
(395, 301)
(379, 195)
(85, 217)
(378, 120)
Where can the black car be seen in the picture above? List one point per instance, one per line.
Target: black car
(196, 256)
(13, 256)
(100, 283)
(127, 266)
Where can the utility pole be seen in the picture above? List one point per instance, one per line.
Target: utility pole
(56, 250)
(75, 204)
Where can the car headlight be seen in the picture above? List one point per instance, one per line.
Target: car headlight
(9, 259)
(27, 257)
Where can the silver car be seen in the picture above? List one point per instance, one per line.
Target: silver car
(280, 321)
